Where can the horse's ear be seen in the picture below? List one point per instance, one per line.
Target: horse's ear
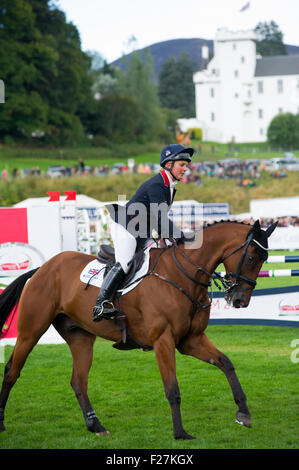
(256, 225)
(271, 229)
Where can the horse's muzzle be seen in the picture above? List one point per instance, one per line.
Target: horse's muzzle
(238, 297)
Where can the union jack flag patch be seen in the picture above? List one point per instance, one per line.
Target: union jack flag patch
(93, 271)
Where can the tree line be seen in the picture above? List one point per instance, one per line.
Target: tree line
(57, 94)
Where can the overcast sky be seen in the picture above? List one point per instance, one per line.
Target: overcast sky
(107, 25)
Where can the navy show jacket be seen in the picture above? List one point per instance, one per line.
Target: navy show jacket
(148, 209)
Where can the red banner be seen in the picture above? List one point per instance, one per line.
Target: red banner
(14, 228)
(70, 195)
(13, 223)
(54, 195)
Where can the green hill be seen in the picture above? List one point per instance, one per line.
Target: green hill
(162, 51)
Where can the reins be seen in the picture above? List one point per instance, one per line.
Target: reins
(227, 284)
(195, 303)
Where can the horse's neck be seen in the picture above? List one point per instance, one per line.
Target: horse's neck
(210, 253)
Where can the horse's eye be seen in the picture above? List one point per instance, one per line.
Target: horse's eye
(250, 259)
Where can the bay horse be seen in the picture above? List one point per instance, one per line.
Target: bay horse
(169, 309)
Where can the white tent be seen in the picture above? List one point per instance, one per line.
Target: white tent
(276, 207)
(82, 201)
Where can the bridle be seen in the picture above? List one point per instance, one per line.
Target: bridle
(227, 283)
(237, 275)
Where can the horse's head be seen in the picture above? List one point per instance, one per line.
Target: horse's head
(243, 264)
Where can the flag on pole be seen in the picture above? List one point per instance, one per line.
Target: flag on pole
(70, 195)
(245, 7)
(54, 195)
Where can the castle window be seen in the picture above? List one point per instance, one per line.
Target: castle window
(260, 87)
(212, 93)
(261, 131)
(260, 113)
(242, 60)
(213, 117)
(236, 73)
(280, 110)
(279, 86)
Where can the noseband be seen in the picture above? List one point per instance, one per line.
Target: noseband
(237, 275)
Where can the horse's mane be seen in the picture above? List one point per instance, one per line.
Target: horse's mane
(222, 221)
(260, 235)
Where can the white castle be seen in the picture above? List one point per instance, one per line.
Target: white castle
(239, 92)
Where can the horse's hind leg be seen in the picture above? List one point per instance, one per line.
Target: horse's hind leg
(81, 344)
(32, 324)
(201, 347)
(13, 369)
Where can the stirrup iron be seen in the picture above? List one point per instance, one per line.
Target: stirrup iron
(101, 311)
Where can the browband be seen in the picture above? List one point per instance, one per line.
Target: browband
(261, 246)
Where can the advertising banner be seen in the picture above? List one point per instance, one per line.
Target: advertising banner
(277, 306)
(28, 237)
(284, 238)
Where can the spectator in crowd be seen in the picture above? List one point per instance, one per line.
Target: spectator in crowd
(4, 174)
(81, 166)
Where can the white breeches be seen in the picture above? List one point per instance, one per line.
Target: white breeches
(124, 245)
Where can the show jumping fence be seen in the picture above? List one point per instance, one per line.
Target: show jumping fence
(277, 272)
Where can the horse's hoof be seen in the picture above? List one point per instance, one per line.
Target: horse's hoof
(243, 419)
(103, 433)
(185, 436)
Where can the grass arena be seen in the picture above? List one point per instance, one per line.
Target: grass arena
(42, 412)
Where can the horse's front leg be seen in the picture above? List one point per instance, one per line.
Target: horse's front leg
(164, 348)
(201, 347)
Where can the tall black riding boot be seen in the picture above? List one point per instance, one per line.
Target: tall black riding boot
(104, 307)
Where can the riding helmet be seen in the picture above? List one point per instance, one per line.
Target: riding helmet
(175, 152)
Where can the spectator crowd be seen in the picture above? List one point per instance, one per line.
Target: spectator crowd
(245, 172)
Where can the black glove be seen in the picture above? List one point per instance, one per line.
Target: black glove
(188, 237)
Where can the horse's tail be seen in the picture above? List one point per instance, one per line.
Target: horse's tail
(11, 296)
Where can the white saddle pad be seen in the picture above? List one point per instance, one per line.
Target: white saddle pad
(93, 273)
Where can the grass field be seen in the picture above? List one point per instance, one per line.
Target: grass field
(127, 394)
(107, 188)
(126, 391)
(27, 157)
(125, 388)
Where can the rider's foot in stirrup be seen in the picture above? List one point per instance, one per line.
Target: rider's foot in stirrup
(103, 311)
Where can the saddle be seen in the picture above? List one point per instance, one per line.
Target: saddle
(106, 256)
